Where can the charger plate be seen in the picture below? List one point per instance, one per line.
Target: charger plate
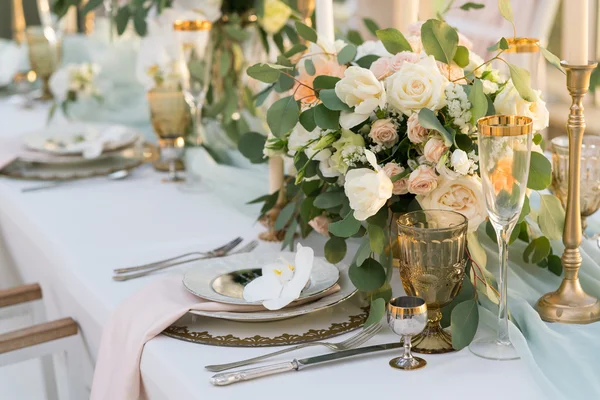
(223, 279)
(344, 317)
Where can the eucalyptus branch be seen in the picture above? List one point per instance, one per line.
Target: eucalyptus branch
(496, 57)
(300, 83)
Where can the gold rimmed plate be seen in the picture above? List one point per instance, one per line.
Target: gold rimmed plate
(344, 317)
(223, 279)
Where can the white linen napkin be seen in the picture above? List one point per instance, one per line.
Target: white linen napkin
(137, 320)
(94, 147)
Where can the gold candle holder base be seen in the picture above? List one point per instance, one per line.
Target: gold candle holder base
(570, 304)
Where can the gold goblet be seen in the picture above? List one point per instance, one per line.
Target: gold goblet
(590, 174)
(407, 316)
(432, 266)
(44, 55)
(170, 115)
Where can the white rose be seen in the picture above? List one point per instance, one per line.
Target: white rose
(489, 86)
(417, 86)
(371, 47)
(59, 83)
(276, 14)
(300, 137)
(463, 195)
(460, 161)
(367, 190)
(509, 102)
(360, 89)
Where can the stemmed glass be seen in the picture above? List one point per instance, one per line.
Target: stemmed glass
(407, 316)
(194, 68)
(504, 157)
(44, 55)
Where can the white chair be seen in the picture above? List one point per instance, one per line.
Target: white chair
(43, 341)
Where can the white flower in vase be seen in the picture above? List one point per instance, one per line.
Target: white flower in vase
(368, 190)
(509, 102)
(282, 281)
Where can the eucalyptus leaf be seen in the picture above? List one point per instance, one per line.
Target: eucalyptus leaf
(463, 142)
(472, 6)
(325, 82)
(428, 120)
(376, 312)
(307, 119)
(440, 40)
(464, 322)
(506, 10)
(262, 96)
(139, 21)
(264, 72)
(376, 238)
(288, 239)
(461, 58)
(555, 265)
(306, 32)
(366, 61)
(326, 118)
(479, 103)
(251, 145)
(540, 172)
(522, 81)
(537, 139)
(347, 54)
(309, 65)
(122, 19)
(284, 216)
(346, 227)
(537, 250)
(91, 5)
(371, 26)
(335, 249)
(283, 116)
(369, 276)
(354, 37)
(551, 217)
(330, 99)
(467, 292)
(551, 58)
(393, 40)
(327, 200)
(363, 252)
(295, 49)
(525, 210)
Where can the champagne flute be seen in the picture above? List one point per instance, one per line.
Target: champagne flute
(504, 158)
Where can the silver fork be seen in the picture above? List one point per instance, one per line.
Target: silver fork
(125, 277)
(355, 341)
(218, 252)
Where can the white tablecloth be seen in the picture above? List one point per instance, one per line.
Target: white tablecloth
(69, 239)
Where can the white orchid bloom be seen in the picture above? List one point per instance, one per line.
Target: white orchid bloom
(281, 282)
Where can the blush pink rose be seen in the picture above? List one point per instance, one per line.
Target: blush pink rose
(383, 132)
(453, 72)
(415, 43)
(416, 133)
(403, 57)
(382, 68)
(320, 224)
(422, 180)
(401, 185)
(434, 149)
(303, 92)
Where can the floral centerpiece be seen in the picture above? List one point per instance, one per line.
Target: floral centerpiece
(389, 126)
(73, 83)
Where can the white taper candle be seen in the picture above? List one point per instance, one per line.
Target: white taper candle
(324, 17)
(576, 31)
(405, 12)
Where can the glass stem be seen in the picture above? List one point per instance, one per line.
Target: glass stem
(503, 236)
(407, 346)
(173, 170)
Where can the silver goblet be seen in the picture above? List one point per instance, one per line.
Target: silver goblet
(407, 316)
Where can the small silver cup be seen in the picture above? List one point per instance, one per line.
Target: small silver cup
(407, 316)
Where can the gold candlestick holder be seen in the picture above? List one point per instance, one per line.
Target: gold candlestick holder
(570, 304)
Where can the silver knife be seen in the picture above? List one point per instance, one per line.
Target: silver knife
(227, 378)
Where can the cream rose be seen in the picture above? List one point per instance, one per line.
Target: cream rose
(417, 86)
(401, 185)
(399, 59)
(276, 14)
(383, 132)
(509, 102)
(434, 149)
(367, 190)
(360, 89)
(463, 195)
(422, 180)
(415, 132)
(320, 224)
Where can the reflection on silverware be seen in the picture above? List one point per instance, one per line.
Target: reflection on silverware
(218, 252)
(352, 342)
(115, 176)
(407, 316)
(227, 378)
(125, 277)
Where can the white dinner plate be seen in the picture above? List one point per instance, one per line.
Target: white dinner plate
(212, 279)
(347, 289)
(68, 139)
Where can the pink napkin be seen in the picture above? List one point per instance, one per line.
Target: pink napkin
(137, 320)
(9, 150)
